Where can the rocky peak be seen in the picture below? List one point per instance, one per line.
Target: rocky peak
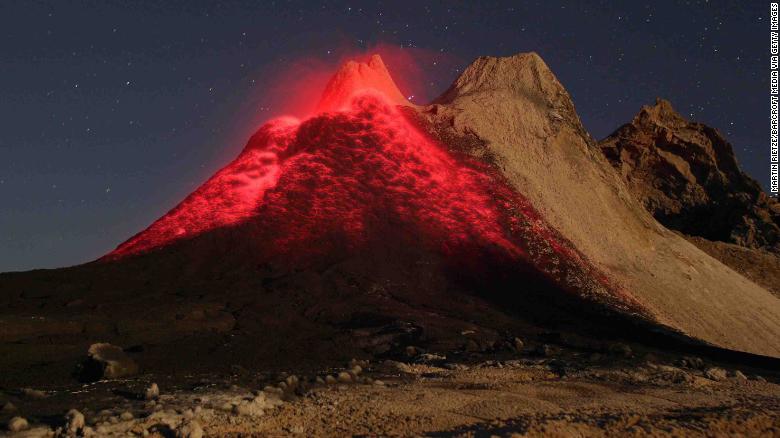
(521, 87)
(517, 72)
(686, 174)
(354, 77)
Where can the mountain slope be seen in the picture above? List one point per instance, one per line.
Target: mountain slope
(516, 114)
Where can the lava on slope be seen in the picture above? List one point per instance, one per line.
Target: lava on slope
(361, 174)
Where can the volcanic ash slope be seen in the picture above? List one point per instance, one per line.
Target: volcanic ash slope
(519, 117)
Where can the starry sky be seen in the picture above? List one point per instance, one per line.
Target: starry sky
(113, 111)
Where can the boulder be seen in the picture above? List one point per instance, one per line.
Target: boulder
(106, 361)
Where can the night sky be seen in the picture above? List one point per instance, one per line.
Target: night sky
(113, 111)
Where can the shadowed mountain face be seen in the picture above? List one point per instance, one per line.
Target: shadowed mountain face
(686, 175)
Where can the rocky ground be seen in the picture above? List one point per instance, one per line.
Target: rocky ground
(541, 390)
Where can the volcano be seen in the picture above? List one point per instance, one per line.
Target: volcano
(376, 223)
(360, 174)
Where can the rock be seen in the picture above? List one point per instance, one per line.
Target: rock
(456, 366)
(344, 377)
(126, 416)
(106, 361)
(272, 389)
(292, 381)
(33, 393)
(518, 344)
(411, 351)
(356, 370)
(17, 424)
(739, 375)
(379, 383)
(189, 429)
(330, 379)
(257, 406)
(319, 380)
(683, 171)
(362, 363)
(74, 421)
(8, 407)
(692, 362)
(679, 376)
(152, 392)
(430, 358)
(716, 374)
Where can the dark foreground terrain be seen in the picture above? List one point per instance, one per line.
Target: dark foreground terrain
(553, 389)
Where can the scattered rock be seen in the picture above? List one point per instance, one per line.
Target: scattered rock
(716, 374)
(696, 363)
(362, 363)
(392, 366)
(330, 379)
(679, 377)
(152, 392)
(455, 366)
(344, 377)
(126, 416)
(17, 424)
(74, 421)
(430, 358)
(255, 407)
(292, 381)
(189, 429)
(518, 344)
(106, 361)
(739, 375)
(379, 383)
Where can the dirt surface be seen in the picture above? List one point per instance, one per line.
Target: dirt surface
(540, 391)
